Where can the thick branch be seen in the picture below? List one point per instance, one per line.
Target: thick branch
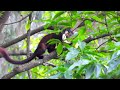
(29, 65)
(24, 36)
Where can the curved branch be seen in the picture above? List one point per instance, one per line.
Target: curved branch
(102, 44)
(29, 65)
(89, 39)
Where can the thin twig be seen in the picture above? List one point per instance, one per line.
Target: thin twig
(93, 20)
(49, 64)
(28, 45)
(102, 44)
(82, 23)
(106, 24)
(19, 20)
(89, 39)
(114, 39)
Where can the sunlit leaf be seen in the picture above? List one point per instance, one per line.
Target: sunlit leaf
(96, 18)
(82, 30)
(118, 53)
(59, 48)
(113, 65)
(58, 14)
(115, 55)
(88, 23)
(27, 26)
(68, 74)
(55, 76)
(97, 70)
(81, 45)
(80, 62)
(61, 69)
(118, 35)
(52, 70)
(66, 45)
(105, 68)
(24, 12)
(64, 23)
(89, 71)
(72, 54)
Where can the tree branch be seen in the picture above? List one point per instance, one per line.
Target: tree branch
(29, 65)
(24, 36)
(49, 64)
(102, 44)
(28, 45)
(89, 39)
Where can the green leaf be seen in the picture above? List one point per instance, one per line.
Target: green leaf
(96, 18)
(72, 54)
(104, 68)
(59, 13)
(25, 13)
(74, 65)
(53, 41)
(68, 74)
(118, 53)
(115, 55)
(117, 43)
(27, 26)
(66, 45)
(59, 48)
(115, 60)
(119, 19)
(113, 65)
(80, 62)
(52, 70)
(82, 45)
(55, 76)
(88, 23)
(117, 35)
(69, 56)
(82, 30)
(64, 23)
(97, 70)
(62, 69)
(89, 71)
(73, 12)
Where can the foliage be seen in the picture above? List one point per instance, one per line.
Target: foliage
(1, 13)
(99, 58)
